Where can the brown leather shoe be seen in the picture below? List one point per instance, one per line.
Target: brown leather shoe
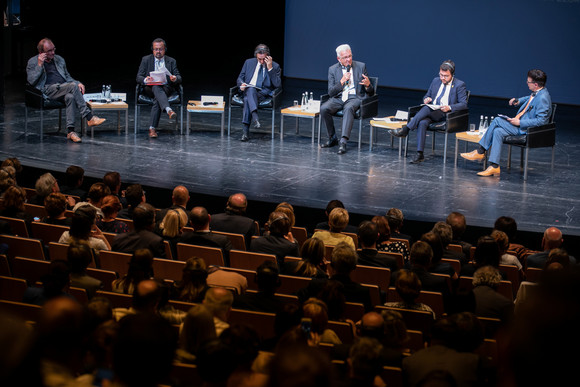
(490, 171)
(96, 121)
(73, 137)
(152, 133)
(172, 114)
(473, 156)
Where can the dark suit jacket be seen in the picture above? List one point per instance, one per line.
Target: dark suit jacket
(457, 94)
(353, 291)
(148, 64)
(208, 239)
(272, 78)
(279, 246)
(335, 75)
(259, 301)
(489, 303)
(236, 224)
(143, 239)
(370, 257)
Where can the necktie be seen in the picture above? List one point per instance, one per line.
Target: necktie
(438, 100)
(260, 79)
(520, 114)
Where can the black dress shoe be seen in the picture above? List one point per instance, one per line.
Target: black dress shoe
(330, 143)
(418, 159)
(401, 132)
(342, 148)
(245, 138)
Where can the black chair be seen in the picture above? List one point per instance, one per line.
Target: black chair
(455, 121)
(542, 136)
(369, 108)
(175, 99)
(34, 99)
(272, 103)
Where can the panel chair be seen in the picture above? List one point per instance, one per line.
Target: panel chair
(236, 100)
(542, 136)
(369, 108)
(34, 99)
(455, 121)
(143, 100)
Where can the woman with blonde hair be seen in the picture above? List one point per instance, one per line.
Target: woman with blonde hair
(171, 227)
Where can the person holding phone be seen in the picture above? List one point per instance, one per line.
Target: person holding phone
(48, 73)
(533, 110)
(159, 91)
(258, 79)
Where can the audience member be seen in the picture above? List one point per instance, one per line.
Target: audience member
(55, 207)
(337, 222)
(95, 198)
(510, 227)
(301, 366)
(384, 241)
(244, 342)
(146, 298)
(313, 263)
(234, 219)
(316, 310)
(113, 181)
(227, 279)
(486, 253)
(264, 300)
(368, 234)
(364, 362)
(110, 208)
(179, 200)
(202, 235)
(408, 287)
(6, 179)
(503, 244)
(84, 228)
(552, 239)
(219, 302)
(142, 236)
(197, 329)
(135, 195)
(140, 268)
(458, 226)
(13, 206)
(438, 266)
(79, 257)
(73, 181)
(279, 240)
(488, 302)
(335, 203)
(395, 219)
(193, 284)
(171, 228)
(54, 284)
(288, 210)
(445, 233)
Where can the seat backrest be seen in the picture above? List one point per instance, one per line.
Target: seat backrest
(262, 322)
(414, 319)
(249, 274)
(300, 234)
(249, 260)
(432, 299)
(18, 226)
(380, 276)
(12, 289)
(57, 251)
(47, 232)
(23, 247)
(28, 312)
(32, 270)
(80, 294)
(105, 276)
(118, 300)
(115, 261)
(353, 311)
(211, 255)
(392, 376)
(291, 284)
(168, 269)
(345, 330)
(238, 240)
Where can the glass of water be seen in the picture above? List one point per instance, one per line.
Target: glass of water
(472, 127)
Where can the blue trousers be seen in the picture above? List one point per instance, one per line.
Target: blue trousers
(252, 97)
(421, 122)
(493, 137)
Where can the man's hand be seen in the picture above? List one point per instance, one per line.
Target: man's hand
(427, 100)
(173, 78)
(243, 86)
(268, 60)
(514, 102)
(514, 121)
(41, 58)
(365, 81)
(82, 88)
(445, 108)
(345, 78)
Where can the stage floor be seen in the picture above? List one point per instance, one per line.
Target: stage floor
(298, 171)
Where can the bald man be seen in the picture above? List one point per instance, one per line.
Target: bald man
(219, 302)
(234, 219)
(552, 239)
(179, 199)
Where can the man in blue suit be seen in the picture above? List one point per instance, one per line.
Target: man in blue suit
(534, 110)
(348, 84)
(259, 77)
(445, 94)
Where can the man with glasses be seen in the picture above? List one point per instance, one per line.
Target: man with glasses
(534, 110)
(48, 73)
(445, 94)
(348, 84)
(159, 91)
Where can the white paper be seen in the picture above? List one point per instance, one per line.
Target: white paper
(432, 107)
(402, 115)
(159, 76)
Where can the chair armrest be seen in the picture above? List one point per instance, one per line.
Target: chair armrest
(542, 135)
(458, 121)
(32, 96)
(276, 96)
(369, 107)
(412, 110)
(324, 98)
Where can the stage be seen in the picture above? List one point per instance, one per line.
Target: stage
(296, 170)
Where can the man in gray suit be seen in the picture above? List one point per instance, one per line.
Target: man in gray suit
(348, 84)
(47, 72)
(159, 91)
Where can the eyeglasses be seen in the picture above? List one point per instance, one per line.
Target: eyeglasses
(159, 49)
(444, 75)
(51, 50)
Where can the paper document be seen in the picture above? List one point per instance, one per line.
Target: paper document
(431, 106)
(401, 115)
(160, 75)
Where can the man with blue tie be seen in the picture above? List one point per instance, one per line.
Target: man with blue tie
(348, 84)
(159, 91)
(259, 77)
(534, 110)
(445, 94)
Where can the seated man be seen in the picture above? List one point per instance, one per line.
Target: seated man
(159, 92)
(142, 237)
(279, 240)
(534, 110)
(259, 77)
(348, 85)
(47, 72)
(234, 219)
(445, 94)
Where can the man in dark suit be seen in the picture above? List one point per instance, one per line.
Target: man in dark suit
(278, 240)
(343, 262)
(368, 233)
(142, 237)
(348, 84)
(268, 280)
(234, 219)
(445, 94)
(259, 77)
(158, 61)
(202, 235)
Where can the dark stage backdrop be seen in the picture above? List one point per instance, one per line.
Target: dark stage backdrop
(493, 42)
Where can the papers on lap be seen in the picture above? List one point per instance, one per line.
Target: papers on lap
(159, 77)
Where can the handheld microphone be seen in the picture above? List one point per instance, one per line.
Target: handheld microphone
(348, 68)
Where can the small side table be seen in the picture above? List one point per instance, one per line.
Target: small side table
(296, 111)
(111, 106)
(472, 137)
(386, 125)
(198, 107)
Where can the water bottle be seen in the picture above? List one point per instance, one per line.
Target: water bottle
(103, 92)
(303, 103)
(311, 97)
(480, 127)
(108, 92)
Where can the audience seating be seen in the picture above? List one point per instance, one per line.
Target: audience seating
(32, 270)
(18, 226)
(115, 261)
(300, 234)
(380, 276)
(23, 247)
(505, 287)
(353, 311)
(513, 275)
(57, 251)
(168, 269)
(392, 376)
(12, 289)
(414, 319)
(181, 305)
(210, 255)
(183, 374)
(454, 263)
(28, 312)
(105, 276)
(47, 232)
(262, 322)
(375, 293)
(533, 274)
(292, 284)
(432, 299)
(5, 266)
(35, 210)
(118, 300)
(249, 274)
(345, 330)
(79, 294)
(238, 240)
(249, 260)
